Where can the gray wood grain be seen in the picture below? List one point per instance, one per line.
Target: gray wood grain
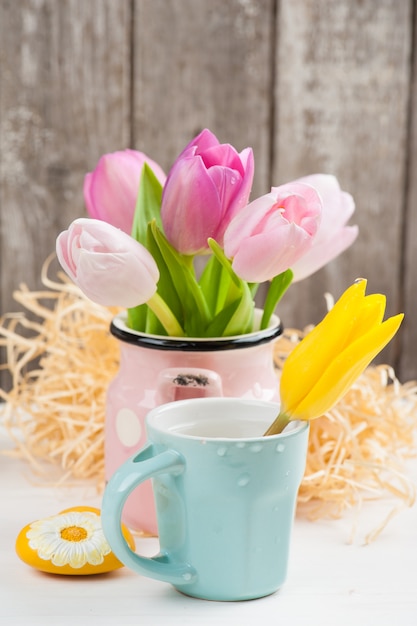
(341, 98)
(64, 100)
(406, 355)
(204, 64)
(312, 86)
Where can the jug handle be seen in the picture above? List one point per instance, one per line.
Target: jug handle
(147, 463)
(175, 383)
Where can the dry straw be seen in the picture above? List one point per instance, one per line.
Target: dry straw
(359, 450)
(61, 357)
(55, 409)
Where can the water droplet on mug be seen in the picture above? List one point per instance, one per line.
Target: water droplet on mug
(287, 473)
(187, 576)
(243, 480)
(256, 447)
(280, 447)
(240, 444)
(222, 451)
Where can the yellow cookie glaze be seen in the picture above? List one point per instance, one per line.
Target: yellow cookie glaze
(69, 543)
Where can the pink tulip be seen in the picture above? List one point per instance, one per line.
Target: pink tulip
(111, 190)
(271, 233)
(110, 267)
(333, 236)
(206, 187)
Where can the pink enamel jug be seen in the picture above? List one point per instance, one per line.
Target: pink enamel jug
(155, 370)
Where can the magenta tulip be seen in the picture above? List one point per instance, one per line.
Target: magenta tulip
(333, 236)
(111, 190)
(271, 233)
(206, 187)
(110, 267)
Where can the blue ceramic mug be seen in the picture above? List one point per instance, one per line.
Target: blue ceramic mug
(225, 497)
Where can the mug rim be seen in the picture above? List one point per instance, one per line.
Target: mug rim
(294, 427)
(120, 330)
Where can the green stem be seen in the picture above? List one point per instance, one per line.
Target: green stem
(189, 262)
(277, 287)
(165, 316)
(278, 425)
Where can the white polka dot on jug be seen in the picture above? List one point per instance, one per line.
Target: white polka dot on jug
(128, 427)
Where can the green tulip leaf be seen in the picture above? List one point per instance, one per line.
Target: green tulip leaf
(241, 321)
(215, 283)
(137, 316)
(277, 287)
(218, 325)
(234, 304)
(166, 286)
(178, 284)
(225, 262)
(148, 205)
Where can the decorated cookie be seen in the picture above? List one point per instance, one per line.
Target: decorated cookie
(71, 542)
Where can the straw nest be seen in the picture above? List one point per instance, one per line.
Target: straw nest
(61, 357)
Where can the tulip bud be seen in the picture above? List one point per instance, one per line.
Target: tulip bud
(206, 187)
(324, 365)
(271, 233)
(111, 190)
(333, 236)
(109, 266)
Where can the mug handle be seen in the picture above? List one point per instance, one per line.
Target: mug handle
(141, 466)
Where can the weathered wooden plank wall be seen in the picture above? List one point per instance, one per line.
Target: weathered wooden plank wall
(344, 71)
(311, 85)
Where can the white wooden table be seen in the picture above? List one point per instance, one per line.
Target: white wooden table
(330, 582)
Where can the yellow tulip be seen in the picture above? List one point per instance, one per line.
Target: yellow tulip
(325, 364)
